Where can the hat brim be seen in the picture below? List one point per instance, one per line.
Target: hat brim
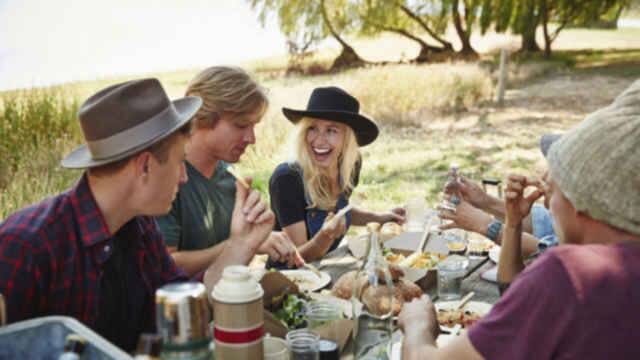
(81, 158)
(546, 141)
(366, 131)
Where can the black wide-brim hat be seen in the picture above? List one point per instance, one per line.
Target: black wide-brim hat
(335, 104)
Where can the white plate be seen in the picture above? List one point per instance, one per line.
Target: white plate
(494, 254)
(479, 307)
(307, 280)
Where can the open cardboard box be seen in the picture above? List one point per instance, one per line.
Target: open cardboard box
(406, 244)
(275, 285)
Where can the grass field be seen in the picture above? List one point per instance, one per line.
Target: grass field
(430, 116)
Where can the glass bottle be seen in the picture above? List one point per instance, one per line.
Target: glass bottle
(373, 302)
(149, 347)
(453, 181)
(74, 346)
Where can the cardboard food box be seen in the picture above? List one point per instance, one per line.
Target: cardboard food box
(406, 244)
(276, 286)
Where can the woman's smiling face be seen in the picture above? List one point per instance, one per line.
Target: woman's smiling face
(325, 141)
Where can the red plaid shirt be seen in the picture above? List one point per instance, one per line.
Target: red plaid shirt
(52, 256)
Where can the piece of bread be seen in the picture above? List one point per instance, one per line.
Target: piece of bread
(377, 300)
(390, 230)
(408, 289)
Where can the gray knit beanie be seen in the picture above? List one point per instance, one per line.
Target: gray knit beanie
(597, 163)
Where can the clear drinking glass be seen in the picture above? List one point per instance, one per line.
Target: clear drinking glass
(451, 271)
(415, 214)
(303, 344)
(476, 247)
(456, 241)
(324, 314)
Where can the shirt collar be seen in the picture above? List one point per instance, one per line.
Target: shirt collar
(91, 224)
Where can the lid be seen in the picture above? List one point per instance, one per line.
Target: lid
(237, 286)
(74, 343)
(328, 350)
(176, 292)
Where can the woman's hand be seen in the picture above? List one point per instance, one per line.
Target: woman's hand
(396, 215)
(517, 205)
(332, 228)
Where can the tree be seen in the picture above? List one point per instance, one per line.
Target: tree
(337, 18)
(318, 19)
(391, 16)
(565, 12)
(463, 14)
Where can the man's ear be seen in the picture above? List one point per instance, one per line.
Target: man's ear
(142, 163)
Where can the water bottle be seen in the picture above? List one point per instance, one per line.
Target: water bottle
(373, 303)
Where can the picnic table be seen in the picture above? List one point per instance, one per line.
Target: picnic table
(336, 263)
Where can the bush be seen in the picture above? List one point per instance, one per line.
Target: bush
(403, 94)
(36, 128)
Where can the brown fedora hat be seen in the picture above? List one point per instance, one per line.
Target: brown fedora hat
(126, 118)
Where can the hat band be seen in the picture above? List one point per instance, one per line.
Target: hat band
(130, 138)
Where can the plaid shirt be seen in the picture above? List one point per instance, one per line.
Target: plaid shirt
(52, 256)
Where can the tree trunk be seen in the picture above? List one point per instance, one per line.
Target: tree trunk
(544, 13)
(425, 49)
(348, 56)
(529, 43)
(530, 24)
(463, 34)
(447, 46)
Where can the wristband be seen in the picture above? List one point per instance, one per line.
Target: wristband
(493, 230)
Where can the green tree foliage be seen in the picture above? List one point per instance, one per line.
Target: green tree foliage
(523, 17)
(464, 15)
(314, 20)
(408, 19)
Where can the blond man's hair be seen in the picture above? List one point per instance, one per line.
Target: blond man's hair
(316, 180)
(226, 89)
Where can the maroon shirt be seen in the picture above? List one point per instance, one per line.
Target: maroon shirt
(53, 255)
(574, 302)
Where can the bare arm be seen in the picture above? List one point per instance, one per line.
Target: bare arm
(312, 249)
(194, 261)
(469, 218)
(251, 225)
(458, 348)
(510, 264)
(473, 193)
(517, 207)
(418, 321)
(360, 217)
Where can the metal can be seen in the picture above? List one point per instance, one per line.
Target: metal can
(182, 313)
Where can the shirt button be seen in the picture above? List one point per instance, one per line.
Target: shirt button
(107, 248)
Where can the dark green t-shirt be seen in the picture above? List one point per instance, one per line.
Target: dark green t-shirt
(200, 216)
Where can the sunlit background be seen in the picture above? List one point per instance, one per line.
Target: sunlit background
(44, 42)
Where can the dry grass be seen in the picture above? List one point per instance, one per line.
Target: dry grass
(430, 115)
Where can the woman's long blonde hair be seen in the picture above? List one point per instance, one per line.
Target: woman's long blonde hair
(316, 180)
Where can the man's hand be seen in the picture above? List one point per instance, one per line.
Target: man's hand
(466, 217)
(419, 322)
(469, 191)
(280, 249)
(251, 221)
(396, 215)
(517, 205)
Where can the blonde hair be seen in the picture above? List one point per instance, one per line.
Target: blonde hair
(226, 89)
(317, 182)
